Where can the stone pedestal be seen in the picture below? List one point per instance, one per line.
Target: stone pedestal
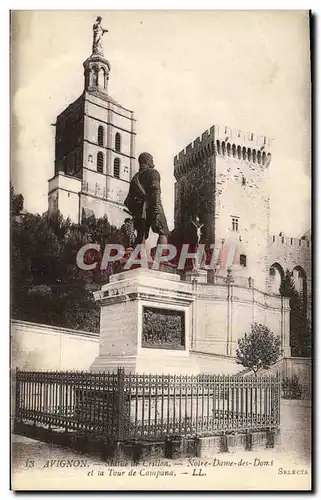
(145, 323)
(158, 322)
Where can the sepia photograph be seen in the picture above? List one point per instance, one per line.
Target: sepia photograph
(161, 248)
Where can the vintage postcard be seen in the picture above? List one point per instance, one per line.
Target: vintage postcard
(161, 250)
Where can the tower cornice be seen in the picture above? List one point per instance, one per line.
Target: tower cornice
(98, 59)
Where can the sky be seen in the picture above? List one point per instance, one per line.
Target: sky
(180, 72)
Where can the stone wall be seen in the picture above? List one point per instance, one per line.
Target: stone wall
(43, 347)
(194, 171)
(224, 314)
(293, 253)
(223, 175)
(242, 193)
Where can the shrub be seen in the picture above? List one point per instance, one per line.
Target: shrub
(258, 349)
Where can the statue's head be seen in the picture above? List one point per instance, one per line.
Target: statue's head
(99, 19)
(146, 159)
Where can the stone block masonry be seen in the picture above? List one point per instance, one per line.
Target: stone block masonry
(222, 178)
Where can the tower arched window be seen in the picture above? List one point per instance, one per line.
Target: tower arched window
(218, 147)
(228, 147)
(233, 150)
(100, 136)
(223, 148)
(104, 77)
(101, 78)
(244, 153)
(263, 158)
(94, 76)
(259, 156)
(100, 162)
(117, 168)
(249, 154)
(254, 156)
(117, 141)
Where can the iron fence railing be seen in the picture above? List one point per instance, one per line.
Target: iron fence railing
(120, 406)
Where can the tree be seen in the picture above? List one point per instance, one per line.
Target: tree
(300, 332)
(258, 349)
(287, 286)
(16, 202)
(47, 286)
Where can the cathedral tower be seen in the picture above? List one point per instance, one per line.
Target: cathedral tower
(95, 147)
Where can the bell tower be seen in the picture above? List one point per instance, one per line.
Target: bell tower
(96, 67)
(95, 147)
(96, 72)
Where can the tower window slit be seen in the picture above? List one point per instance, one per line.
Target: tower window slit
(100, 136)
(117, 168)
(117, 141)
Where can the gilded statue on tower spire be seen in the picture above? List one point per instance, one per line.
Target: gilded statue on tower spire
(98, 33)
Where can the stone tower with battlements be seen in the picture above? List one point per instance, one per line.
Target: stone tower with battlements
(222, 178)
(94, 149)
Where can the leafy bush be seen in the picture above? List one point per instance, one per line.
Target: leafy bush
(47, 286)
(258, 349)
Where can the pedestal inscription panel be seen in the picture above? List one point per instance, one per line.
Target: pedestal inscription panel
(163, 328)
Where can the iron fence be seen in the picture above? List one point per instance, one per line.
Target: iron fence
(120, 406)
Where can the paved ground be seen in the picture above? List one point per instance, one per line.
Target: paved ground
(39, 465)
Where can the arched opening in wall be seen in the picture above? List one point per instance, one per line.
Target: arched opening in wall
(244, 153)
(263, 158)
(254, 156)
(233, 150)
(117, 141)
(223, 148)
(239, 152)
(259, 156)
(105, 78)
(100, 138)
(300, 280)
(94, 76)
(276, 274)
(249, 154)
(228, 148)
(100, 162)
(101, 80)
(117, 168)
(268, 159)
(300, 335)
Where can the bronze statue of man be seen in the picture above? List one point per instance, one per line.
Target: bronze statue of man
(144, 201)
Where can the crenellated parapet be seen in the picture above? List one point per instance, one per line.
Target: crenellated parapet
(196, 152)
(243, 139)
(224, 141)
(284, 241)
